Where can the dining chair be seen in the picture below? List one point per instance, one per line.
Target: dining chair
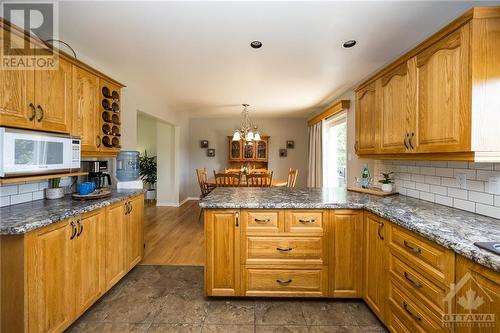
(227, 179)
(292, 177)
(230, 170)
(255, 171)
(205, 188)
(260, 179)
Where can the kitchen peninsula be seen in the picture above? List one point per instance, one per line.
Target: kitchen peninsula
(401, 255)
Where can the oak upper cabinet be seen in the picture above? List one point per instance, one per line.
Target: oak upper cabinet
(50, 278)
(53, 98)
(346, 246)
(88, 259)
(478, 294)
(134, 232)
(261, 150)
(222, 242)
(374, 264)
(396, 98)
(366, 119)
(444, 109)
(86, 114)
(235, 150)
(115, 243)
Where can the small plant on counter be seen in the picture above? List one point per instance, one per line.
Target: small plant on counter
(54, 191)
(386, 181)
(148, 167)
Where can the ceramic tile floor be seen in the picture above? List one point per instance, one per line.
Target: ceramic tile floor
(158, 299)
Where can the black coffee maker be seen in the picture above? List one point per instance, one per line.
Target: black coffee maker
(98, 173)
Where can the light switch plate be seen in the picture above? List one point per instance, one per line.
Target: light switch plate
(494, 185)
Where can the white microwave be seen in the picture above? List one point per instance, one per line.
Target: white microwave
(24, 152)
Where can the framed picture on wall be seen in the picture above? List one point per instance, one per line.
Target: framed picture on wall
(290, 144)
(203, 143)
(283, 152)
(211, 152)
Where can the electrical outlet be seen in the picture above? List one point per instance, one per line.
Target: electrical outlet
(461, 180)
(494, 185)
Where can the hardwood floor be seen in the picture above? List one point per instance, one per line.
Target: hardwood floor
(173, 235)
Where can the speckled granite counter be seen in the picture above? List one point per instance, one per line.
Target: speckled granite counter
(452, 228)
(22, 218)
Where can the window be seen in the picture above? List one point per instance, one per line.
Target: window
(335, 150)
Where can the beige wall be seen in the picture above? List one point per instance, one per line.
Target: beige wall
(146, 134)
(216, 130)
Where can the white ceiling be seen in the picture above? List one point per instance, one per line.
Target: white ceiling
(196, 57)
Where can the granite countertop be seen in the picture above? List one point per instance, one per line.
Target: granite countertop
(452, 228)
(22, 218)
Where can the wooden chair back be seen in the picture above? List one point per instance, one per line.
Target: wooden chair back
(254, 171)
(259, 179)
(201, 174)
(292, 177)
(227, 179)
(229, 170)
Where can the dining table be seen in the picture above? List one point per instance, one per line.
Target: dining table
(243, 182)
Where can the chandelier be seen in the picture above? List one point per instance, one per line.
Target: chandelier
(248, 131)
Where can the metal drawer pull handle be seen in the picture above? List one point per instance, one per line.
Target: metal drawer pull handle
(412, 247)
(73, 234)
(80, 225)
(262, 220)
(407, 309)
(288, 249)
(42, 113)
(416, 284)
(406, 140)
(409, 140)
(307, 221)
(380, 226)
(284, 281)
(33, 112)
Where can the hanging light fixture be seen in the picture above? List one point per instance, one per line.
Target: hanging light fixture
(247, 131)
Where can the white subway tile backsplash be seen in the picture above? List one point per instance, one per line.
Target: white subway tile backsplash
(8, 190)
(465, 205)
(435, 181)
(20, 198)
(443, 200)
(4, 201)
(43, 185)
(480, 197)
(488, 210)
(441, 190)
(38, 195)
(427, 196)
(29, 187)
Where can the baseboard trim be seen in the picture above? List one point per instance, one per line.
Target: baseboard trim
(174, 204)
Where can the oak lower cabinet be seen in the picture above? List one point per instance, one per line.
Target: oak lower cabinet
(477, 299)
(52, 275)
(374, 292)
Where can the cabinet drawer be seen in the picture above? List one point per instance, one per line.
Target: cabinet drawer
(431, 259)
(430, 293)
(305, 221)
(262, 221)
(411, 314)
(286, 282)
(284, 250)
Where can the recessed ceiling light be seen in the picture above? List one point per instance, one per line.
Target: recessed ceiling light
(349, 44)
(256, 44)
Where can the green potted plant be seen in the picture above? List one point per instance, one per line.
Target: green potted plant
(148, 166)
(54, 191)
(386, 182)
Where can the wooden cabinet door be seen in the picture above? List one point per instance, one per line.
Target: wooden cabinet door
(16, 93)
(50, 279)
(85, 118)
(346, 244)
(88, 259)
(115, 243)
(248, 151)
(261, 150)
(134, 241)
(235, 150)
(222, 263)
(53, 98)
(444, 102)
(397, 98)
(366, 120)
(478, 297)
(374, 264)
